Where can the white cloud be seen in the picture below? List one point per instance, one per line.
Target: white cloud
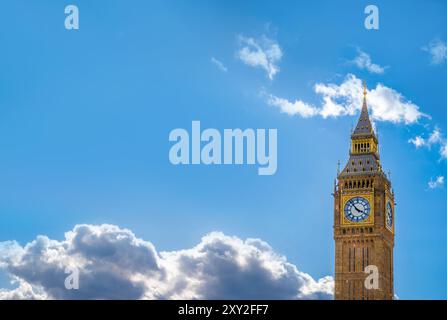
(443, 151)
(219, 64)
(114, 264)
(340, 100)
(438, 51)
(386, 104)
(438, 182)
(389, 105)
(262, 53)
(435, 138)
(418, 141)
(292, 108)
(363, 61)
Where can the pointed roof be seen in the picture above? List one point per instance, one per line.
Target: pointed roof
(364, 125)
(363, 163)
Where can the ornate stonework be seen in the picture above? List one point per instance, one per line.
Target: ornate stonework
(363, 218)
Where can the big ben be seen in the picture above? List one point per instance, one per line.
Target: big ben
(363, 219)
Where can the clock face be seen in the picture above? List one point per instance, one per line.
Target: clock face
(389, 215)
(357, 209)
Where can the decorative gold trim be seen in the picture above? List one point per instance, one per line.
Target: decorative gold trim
(372, 146)
(365, 89)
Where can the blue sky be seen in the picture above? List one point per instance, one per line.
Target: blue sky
(85, 117)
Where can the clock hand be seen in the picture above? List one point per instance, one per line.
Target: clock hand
(357, 209)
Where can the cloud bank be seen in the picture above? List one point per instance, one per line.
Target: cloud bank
(114, 264)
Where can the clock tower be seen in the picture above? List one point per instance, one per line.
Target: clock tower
(363, 220)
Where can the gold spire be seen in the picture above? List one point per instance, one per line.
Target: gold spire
(364, 89)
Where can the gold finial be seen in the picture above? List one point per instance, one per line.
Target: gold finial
(364, 89)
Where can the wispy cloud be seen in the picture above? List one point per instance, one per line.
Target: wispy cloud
(418, 141)
(262, 53)
(437, 183)
(437, 50)
(297, 107)
(114, 264)
(386, 104)
(363, 61)
(443, 151)
(219, 64)
(435, 138)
